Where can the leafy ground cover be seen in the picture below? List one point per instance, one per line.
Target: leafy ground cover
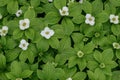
(59, 40)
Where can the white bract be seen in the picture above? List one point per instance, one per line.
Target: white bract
(114, 19)
(19, 79)
(116, 45)
(80, 1)
(23, 44)
(69, 79)
(64, 11)
(90, 19)
(0, 16)
(47, 32)
(24, 24)
(18, 13)
(50, 0)
(4, 31)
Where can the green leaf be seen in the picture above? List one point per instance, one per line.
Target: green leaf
(52, 18)
(107, 55)
(11, 44)
(54, 43)
(13, 25)
(64, 55)
(87, 7)
(110, 9)
(30, 56)
(102, 17)
(30, 13)
(60, 59)
(9, 75)
(23, 56)
(79, 76)
(16, 68)
(118, 54)
(3, 40)
(75, 10)
(35, 3)
(17, 34)
(99, 74)
(3, 2)
(92, 65)
(77, 37)
(97, 6)
(82, 64)
(50, 71)
(65, 43)
(34, 67)
(88, 48)
(98, 56)
(59, 3)
(72, 61)
(42, 45)
(115, 2)
(90, 75)
(87, 30)
(12, 54)
(2, 61)
(30, 34)
(116, 75)
(68, 26)
(115, 29)
(59, 32)
(12, 6)
(26, 73)
(78, 19)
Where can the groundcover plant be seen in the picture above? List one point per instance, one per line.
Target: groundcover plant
(59, 40)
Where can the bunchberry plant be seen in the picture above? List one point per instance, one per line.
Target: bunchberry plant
(59, 39)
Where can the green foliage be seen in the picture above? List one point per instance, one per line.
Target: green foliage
(12, 6)
(59, 39)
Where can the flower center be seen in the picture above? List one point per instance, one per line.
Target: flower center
(24, 45)
(24, 24)
(97, 34)
(102, 65)
(3, 31)
(90, 19)
(63, 12)
(47, 32)
(114, 19)
(19, 12)
(116, 45)
(80, 54)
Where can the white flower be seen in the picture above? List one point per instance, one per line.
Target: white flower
(116, 45)
(4, 31)
(0, 16)
(47, 32)
(23, 44)
(19, 79)
(64, 11)
(18, 13)
(90, 19)
(24, 24)
(69, 79)
(50, 0)
(80, 1)
(114, 19)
